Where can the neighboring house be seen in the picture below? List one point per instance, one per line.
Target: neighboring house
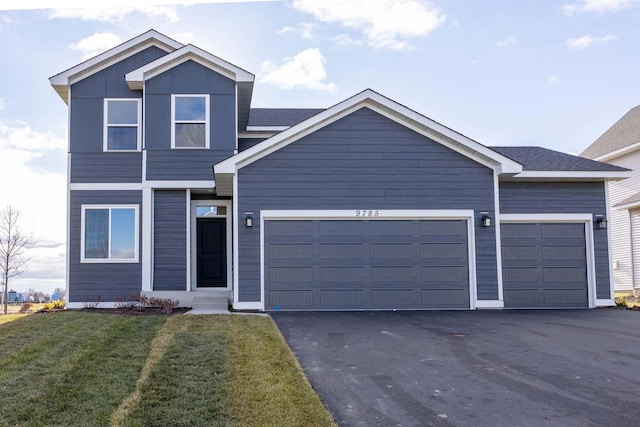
(178, 188)
(620, 145)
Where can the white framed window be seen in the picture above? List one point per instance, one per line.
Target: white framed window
(109, 233)
(122, 130)
(190, 121)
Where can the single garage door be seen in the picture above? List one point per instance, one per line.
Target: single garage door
(544, 265)
(366, 264)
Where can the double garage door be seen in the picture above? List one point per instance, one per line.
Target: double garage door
(416, 264)
(366, 264)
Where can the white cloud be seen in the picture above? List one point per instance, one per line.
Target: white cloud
(95, 44)
(387, 24)
(38, 193)
(304, 29)
(115, 14)
(553, 80)
(595, 6)
(588, 40)
(509, 41)
(344, 40)
(305, 70)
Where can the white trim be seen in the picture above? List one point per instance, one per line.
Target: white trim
(147, 243)
(188, 241)
(256, 135)
(626, 206)
(609, 249)
(488, 304)
(106, 124)
(587, 220)
(65, 79)
(193, 283)
(546, 217)
(383, 214)
(181, 185)
(206, 122)
(235, 261)
(248, 306)
(605, 302)
(617, 153)
(144, 165)
(110, 207)
(595, 175)
(235, 112)
(137, 77)
(266, 128)
(68, 185)
(389, 109)
(496, 221)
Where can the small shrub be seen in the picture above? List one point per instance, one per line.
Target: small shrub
(92, 304)
(621, 302)
(26, 307)
(54, 305)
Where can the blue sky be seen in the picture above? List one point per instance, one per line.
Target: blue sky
(548, 73)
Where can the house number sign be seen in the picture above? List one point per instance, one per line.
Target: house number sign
(367, 212)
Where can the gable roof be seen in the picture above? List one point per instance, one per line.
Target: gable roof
(63, 80)
(368, 98)
(136, 78)
(622, 137)
(544, 159)
(278, 118)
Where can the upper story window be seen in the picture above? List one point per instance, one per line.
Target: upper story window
(109, 233)
(190, 121)
(122, 124)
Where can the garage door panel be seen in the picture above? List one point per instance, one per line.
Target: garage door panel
(430, 251)
(349, 251)
(291, 251)
(456, 274)
(291, 274)
(544, 270)
(366, 264)
(344, 274)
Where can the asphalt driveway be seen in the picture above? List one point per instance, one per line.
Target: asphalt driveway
(480, 368)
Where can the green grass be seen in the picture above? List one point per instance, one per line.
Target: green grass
(92, 369)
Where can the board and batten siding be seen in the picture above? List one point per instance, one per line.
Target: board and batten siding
(89, 163)
(169, 240)
(364, 161)
(563, 198)
(164, 163)
(91, 282)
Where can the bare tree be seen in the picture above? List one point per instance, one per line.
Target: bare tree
(13, 244)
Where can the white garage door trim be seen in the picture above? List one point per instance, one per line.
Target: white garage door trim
(375, 214)
(587, 219)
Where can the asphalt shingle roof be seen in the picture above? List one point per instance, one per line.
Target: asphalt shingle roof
(543, 159)
(280, 116)
(623, 133)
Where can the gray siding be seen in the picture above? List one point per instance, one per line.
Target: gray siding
(110, 281)
(169, 240)
(364, 161)
(87, 116)
(244, 143)
(188, 78)
(569, 197)
(106, 167)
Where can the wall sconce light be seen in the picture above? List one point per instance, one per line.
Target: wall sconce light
(601, 221)
(485, 219)
(248, 221)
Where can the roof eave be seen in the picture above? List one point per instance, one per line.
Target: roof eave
(569, 176)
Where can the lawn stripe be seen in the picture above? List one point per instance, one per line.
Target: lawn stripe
(159, 347)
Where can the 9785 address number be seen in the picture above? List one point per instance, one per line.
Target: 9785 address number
(367, 212)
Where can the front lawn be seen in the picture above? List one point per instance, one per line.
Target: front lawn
(94, 369)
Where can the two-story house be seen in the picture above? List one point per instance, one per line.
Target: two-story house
(620, 145)
(178, 188)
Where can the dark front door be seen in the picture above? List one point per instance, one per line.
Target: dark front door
(212, 252)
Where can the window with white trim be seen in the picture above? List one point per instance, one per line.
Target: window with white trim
(189, 121)
(109, 233)
(122, 124)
